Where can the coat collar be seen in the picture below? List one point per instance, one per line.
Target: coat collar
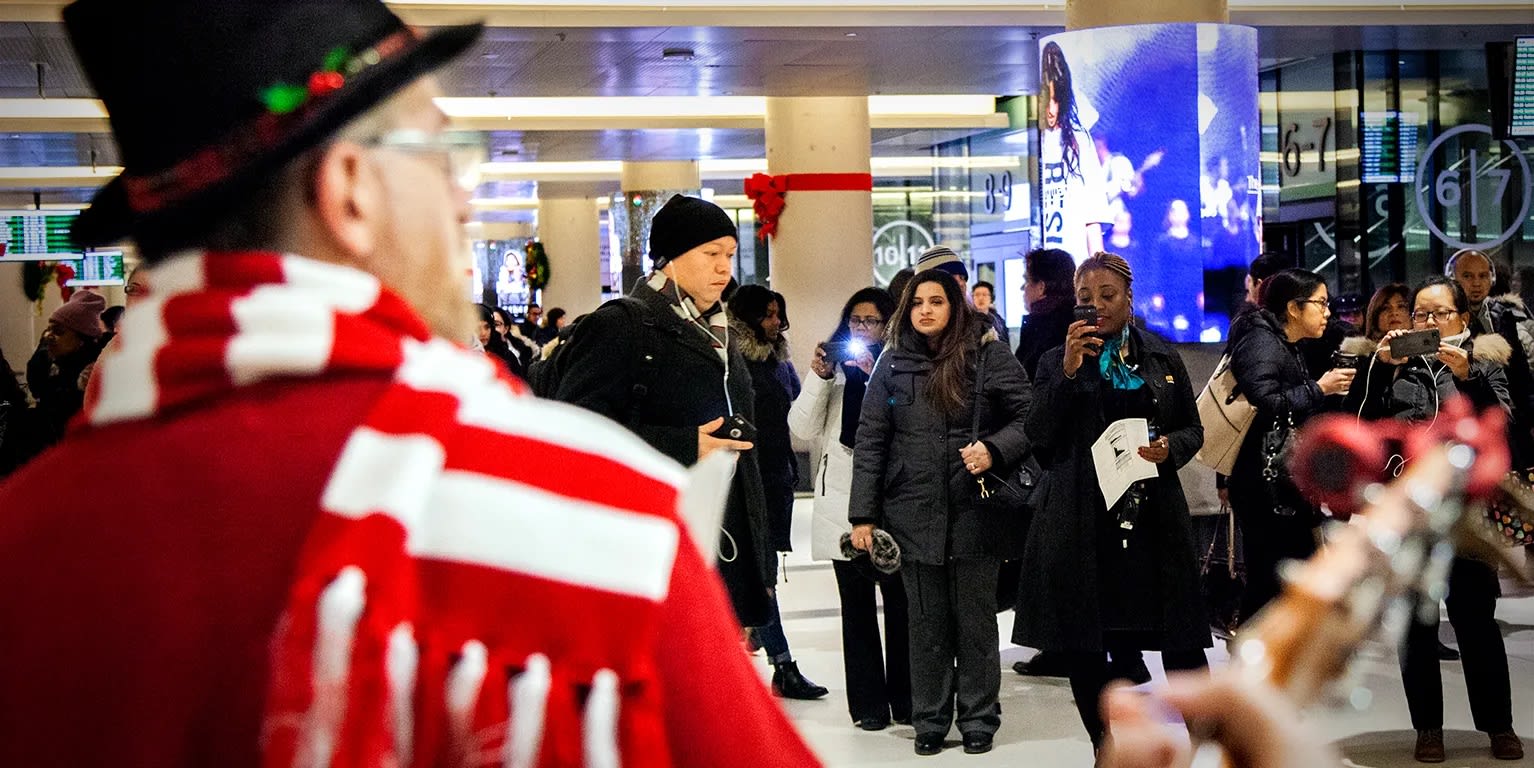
(666, 319)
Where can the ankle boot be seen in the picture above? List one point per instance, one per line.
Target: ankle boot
(788, 683)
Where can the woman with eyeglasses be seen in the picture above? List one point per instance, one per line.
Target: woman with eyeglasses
(1278, 523)
(826, 415)
(1415, 389)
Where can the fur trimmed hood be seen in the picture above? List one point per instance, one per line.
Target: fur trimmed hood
(1491, 348)
(755, 350)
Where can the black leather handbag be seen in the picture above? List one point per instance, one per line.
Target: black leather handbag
(1000, 491)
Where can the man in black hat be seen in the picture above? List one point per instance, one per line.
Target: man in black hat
(359, 543)
(661, 361)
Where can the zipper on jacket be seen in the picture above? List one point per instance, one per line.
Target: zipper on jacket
(825, 458)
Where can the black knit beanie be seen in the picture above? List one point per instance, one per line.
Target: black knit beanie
(684, 223)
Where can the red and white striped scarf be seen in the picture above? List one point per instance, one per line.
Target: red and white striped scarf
(485, 567)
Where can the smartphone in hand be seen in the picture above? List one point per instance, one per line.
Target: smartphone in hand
(1415, 343)
(1086, 313)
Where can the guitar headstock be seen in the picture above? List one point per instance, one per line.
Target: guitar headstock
(1394, 539)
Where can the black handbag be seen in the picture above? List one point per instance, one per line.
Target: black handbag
(997, 491)
(1222, 574)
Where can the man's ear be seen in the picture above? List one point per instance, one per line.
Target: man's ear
(348, 198)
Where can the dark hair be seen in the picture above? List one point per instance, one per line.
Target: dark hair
(1111, 262)
(1286, 286)
(880, 298)
(1268, 264)
(505, 318)
(486, 314)
(1461, 301)
(749, 305)
(109, 319)
(948, 386)
(899, 282)
(552, 316)
(983, 284)
(1054, 268)
(1054, 71)
(1377, 304)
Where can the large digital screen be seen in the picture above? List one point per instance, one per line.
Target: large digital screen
(97, 269)
(1389, 147)
(1148, 147)
(1523, 88)
(37, 236)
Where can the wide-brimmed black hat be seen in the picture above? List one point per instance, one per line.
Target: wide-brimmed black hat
(207, 98)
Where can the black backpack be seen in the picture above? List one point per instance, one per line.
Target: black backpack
(545, 375)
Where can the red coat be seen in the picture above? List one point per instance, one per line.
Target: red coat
(163, 571)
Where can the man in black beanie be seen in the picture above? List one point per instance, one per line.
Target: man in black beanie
(660, 361)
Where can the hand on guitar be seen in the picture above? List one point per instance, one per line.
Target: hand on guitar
(1255, 725)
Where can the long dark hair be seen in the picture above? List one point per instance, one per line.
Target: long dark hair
(1286, 286)
(948, 387)
(749, 305)
(1054, 71)
(882, 301)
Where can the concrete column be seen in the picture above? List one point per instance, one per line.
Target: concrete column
(651, 184)
(823, 250)
(1086, 14)
(568, 229)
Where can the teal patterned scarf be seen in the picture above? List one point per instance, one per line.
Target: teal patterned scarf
(1116, 371)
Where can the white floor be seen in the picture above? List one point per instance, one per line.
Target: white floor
(1039, 726)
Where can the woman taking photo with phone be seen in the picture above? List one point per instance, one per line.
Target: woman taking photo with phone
(1277, 522)
(1415, 389)
(825, 414)
(1120, 577)
(915, 475)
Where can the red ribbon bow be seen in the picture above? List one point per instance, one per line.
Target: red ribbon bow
(63, 273)
(769, 194)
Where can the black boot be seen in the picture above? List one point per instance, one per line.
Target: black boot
(788, 683)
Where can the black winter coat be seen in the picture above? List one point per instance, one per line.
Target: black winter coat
(639, 363)
(907, 475)
(1507, 317)
(1271, 373)
(776, 385)
(56, 386)
(1042, 331)
(1058, 599)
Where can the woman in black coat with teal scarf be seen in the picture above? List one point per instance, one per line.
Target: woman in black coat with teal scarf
(1090, 584)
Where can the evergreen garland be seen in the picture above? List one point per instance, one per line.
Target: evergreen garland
(537, 266)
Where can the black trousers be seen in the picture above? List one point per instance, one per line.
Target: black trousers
(953, 619)
(878, 678)
(1089, 677)
(1267, 540)
(1472, 604)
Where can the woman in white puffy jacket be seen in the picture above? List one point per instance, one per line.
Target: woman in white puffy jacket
(826, 415)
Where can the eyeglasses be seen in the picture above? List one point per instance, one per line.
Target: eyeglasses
(865, 322)
(1438, 317)
(1320, 302)
(463, 151)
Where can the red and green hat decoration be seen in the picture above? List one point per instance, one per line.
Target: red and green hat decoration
(286, 104)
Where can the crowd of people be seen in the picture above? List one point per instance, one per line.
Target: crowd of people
(474, 543)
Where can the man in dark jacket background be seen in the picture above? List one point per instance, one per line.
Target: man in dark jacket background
(1048, 296)
(661, 362)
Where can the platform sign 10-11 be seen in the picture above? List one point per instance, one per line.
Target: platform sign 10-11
(37, 236)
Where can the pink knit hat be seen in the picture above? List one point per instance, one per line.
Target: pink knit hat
(82, 314)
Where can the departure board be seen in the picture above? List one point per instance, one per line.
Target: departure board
(37, 236)
(1523, 88)
(1389, 147)
(99, 268)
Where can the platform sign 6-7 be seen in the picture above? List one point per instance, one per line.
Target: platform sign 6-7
(1472, 178)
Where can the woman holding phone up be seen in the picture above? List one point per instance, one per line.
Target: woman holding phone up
(1277, 522)
(1118, 577)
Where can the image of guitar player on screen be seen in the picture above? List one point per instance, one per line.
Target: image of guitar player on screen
(1071, 176)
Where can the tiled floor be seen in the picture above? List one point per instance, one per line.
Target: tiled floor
(1039, 724)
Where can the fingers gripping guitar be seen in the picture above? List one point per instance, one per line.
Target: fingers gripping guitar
(1388, 546)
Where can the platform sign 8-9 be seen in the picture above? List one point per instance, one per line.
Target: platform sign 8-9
(1473, 177)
